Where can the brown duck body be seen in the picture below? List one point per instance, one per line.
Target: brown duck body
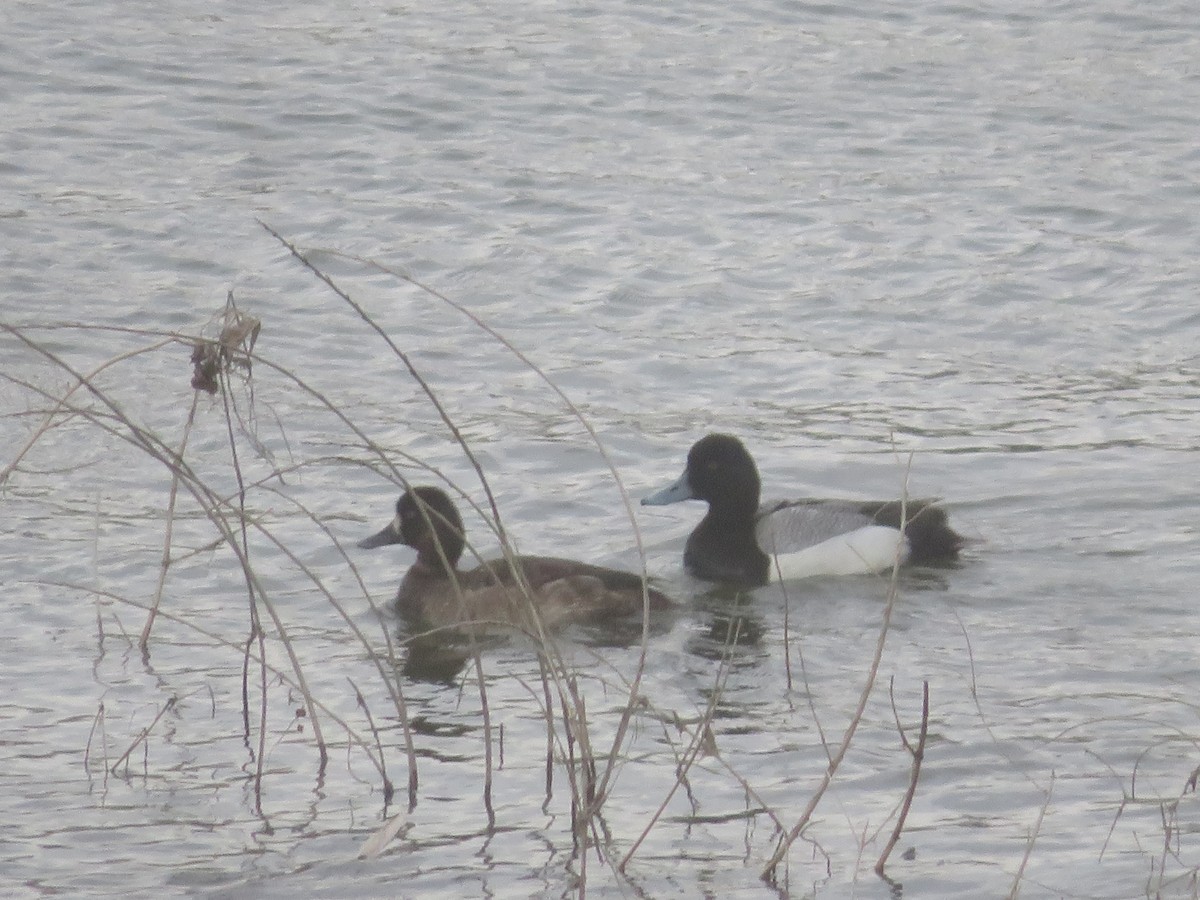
(528, 592)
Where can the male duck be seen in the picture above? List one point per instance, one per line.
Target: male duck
(737, 541)
(435, 594)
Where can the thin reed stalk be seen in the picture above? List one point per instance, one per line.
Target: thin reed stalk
(768, 872)
(168, 534)
(702, 742)
(145, 733)
(1015, 890)
(918, 756)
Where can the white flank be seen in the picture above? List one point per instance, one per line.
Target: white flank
(867, 550)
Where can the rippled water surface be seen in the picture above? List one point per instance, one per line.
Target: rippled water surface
(945, 246)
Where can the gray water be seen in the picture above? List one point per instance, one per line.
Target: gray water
(847, 233)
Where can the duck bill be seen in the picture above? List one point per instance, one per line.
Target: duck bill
(681, 490)
(389, 535)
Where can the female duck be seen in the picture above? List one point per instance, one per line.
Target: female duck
(528, 592)
(737, 541)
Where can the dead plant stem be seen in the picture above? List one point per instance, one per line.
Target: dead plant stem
(786, 841)
(918, 756)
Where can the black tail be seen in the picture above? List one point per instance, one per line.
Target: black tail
(930, 537)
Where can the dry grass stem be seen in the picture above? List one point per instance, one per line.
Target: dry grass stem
(145, 733)
(1015, 891)
(769, 870)
(918, 756)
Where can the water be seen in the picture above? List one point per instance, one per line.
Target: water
(845, 233)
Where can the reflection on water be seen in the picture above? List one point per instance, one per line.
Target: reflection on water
(731, 629)
(435, 659)
(441, 655)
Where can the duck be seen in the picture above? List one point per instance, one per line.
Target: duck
(744, 543)
(528, 592)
